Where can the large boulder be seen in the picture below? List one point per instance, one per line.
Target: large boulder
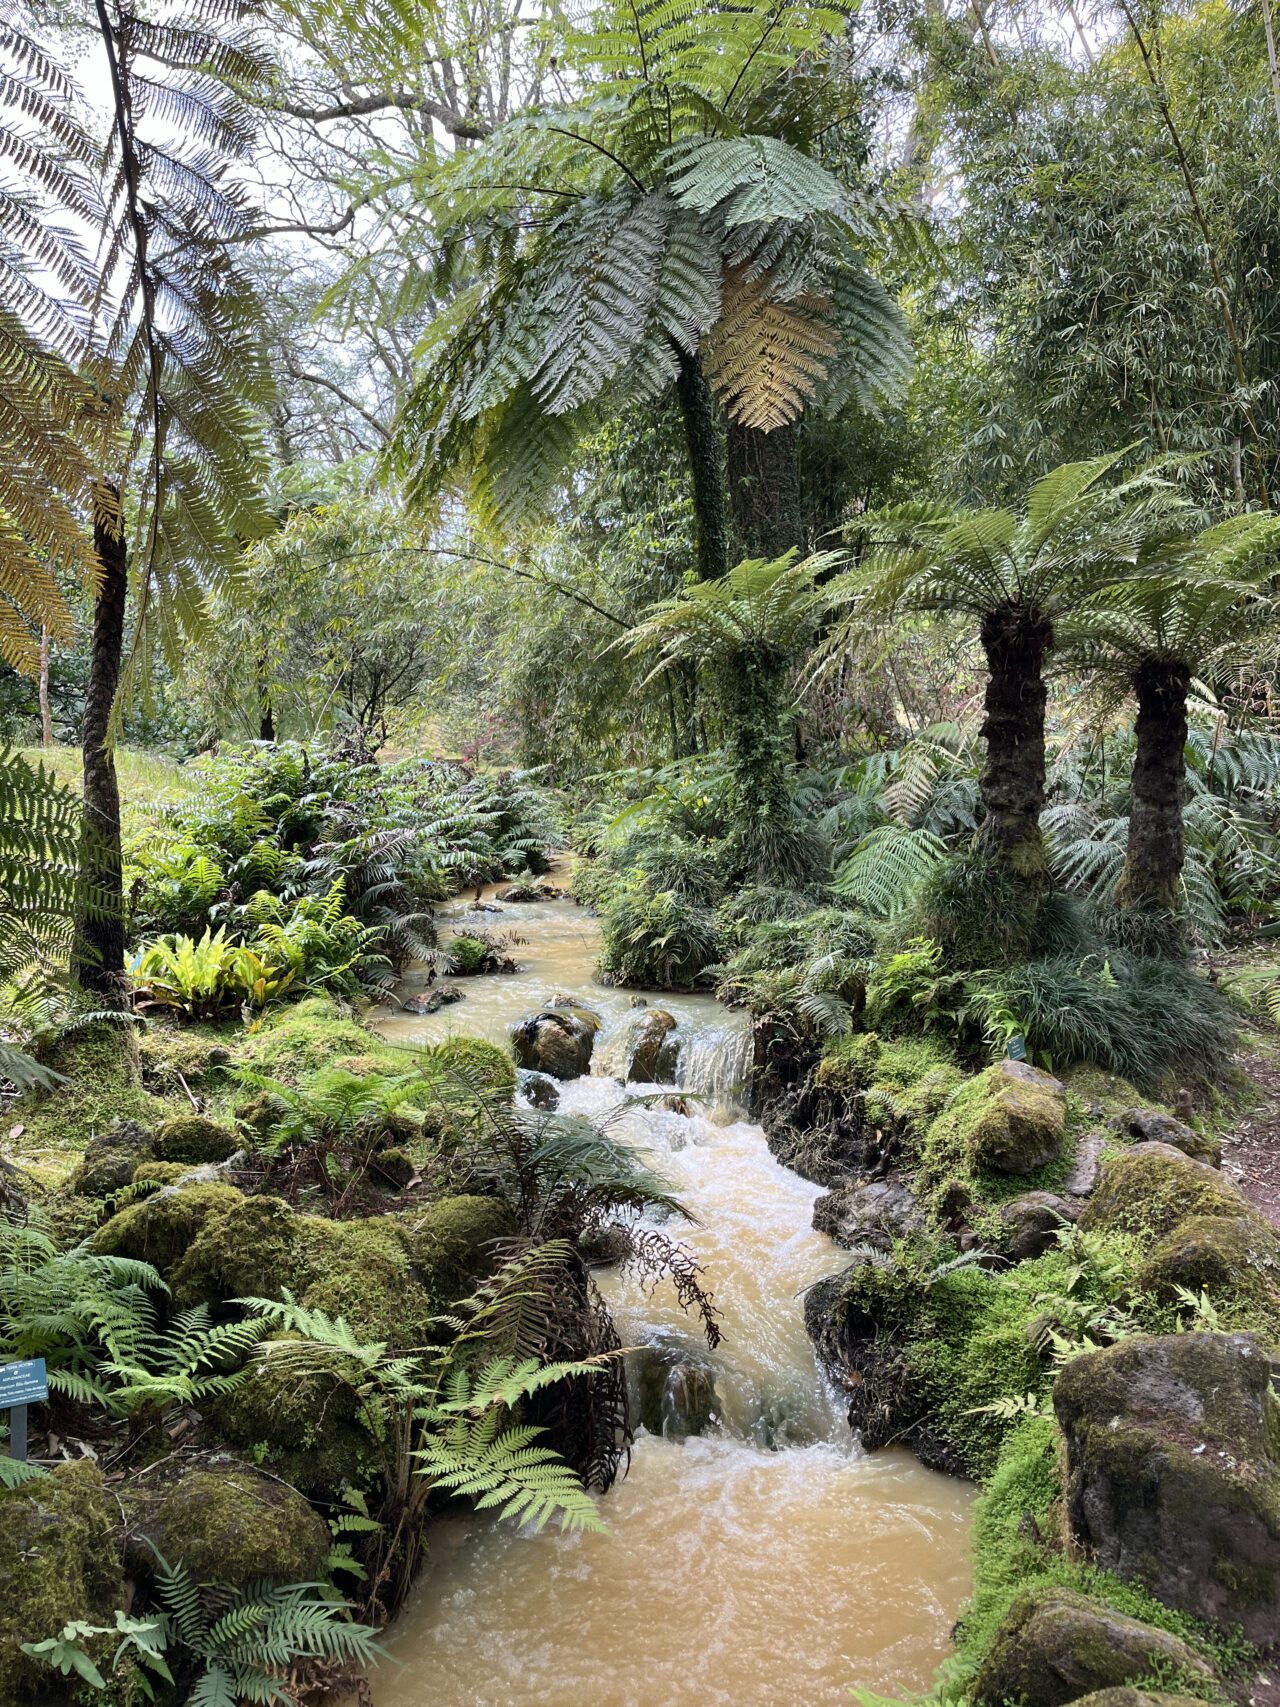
(1022, 1123)
(1173, 1472)
(557, 1041)
(302, 1427)
(1224, 1255)
(1055, 1646)
(58, 1565)
(228, 1524)
(1152, 1188)
(1153, 1126)
(869, 1212)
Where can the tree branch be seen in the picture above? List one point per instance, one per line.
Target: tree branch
(366, 106)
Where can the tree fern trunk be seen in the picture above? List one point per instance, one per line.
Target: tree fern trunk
(1015, 640)
(702, 435)
(97, 955)
(1152, 876)
(764, 490)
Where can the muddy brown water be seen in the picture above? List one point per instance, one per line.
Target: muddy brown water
(769, 1560)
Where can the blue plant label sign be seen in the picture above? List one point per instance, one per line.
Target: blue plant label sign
(23, 1383)
(1017, 1050)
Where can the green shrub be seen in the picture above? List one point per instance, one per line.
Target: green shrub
(656, 940)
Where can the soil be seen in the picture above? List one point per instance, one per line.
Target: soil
(1251, 1150)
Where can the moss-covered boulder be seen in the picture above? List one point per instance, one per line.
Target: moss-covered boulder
(229, 1524)
(160, 1228)
(111, 1157)
(58, 1564)
(1152, 1188)
(305, 1429)
(452, 1243)
(193, 1138)
(1055, 1646)
(464, 1064)
(558, 1041)
(651, 1048)
(1173, 1472)
(1227, 1256)
(1154, 1126)
(246, 1247)
(1021, 1122)
(362, 1273)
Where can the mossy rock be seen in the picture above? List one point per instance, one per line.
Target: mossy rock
(1173, 1473)
(1153, 1188)
(1154, 1126)
(160, 1173)
(466, 1061)
(850, 1066)
(362, 1273)
(171, 1056)
(59, 1563)
(103, 1088)
(451, 1244)
(1227, 1256)
(305, 1429)
(229, 1525)
(315, 1034)
(245, 1248)
(193, 1138)
(160, 1228)
(1055, 1646)
(111, 1158)
(559, 1041)
(1021, 1123)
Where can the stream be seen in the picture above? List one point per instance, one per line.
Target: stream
(767, 1560)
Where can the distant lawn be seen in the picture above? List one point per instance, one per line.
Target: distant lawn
(146, 778)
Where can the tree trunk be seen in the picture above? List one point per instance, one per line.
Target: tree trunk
(764, 491)
(1152, 877)
(97, 953)
(1015, 640)
(703, 438)
(46, 720)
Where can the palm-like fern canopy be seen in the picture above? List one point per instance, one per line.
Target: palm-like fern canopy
(674, 209)
(759, 610)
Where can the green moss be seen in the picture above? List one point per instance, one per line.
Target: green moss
(159, 1229)
(246, 1248)
(850, 1066)
(1236, 1260)
(103, 1087)
(314, 1034)
(229, 1526)
(192, 1054)
(464, 1063)
(452, 1243)
(305, 1429)
(1152, 1190)
(362, 1273)
(1093, 1085)
(193, 1138)
(160, 1173)
(58, 1563)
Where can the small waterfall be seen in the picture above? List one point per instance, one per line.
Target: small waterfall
(715, 1063)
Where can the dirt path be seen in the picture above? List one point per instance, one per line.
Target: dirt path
(1251, 1150)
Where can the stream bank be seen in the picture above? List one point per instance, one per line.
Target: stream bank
(767, 1559)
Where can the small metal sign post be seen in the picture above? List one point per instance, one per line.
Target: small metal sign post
(21, 1384)
(1017, 1048)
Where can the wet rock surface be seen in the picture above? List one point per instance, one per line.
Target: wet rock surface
(869, 1212)
(1055, 1646)
(540, 1089)
(1025, 1123)
(1086, 1166)
(651, 1048)
(1173, 1472)
(558, 1041)
(1152, 1126)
